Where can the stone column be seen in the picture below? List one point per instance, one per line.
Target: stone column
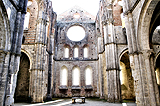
(151, 77)
(142, 70)
(37, 71)
(112, 68)
(4, 62)
(134, 62)
(51, 54)
(100, 73)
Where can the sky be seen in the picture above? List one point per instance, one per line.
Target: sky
(91, 6)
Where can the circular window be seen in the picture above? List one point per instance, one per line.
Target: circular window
(76, 33)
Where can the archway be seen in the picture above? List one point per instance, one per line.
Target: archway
(22, 87)
(5, 44)
(127, 81)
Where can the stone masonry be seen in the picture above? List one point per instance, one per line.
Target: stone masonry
(117, 58)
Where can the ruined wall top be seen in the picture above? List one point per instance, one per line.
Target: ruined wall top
(76, 14)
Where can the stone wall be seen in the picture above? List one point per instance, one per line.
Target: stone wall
(70, 90)
(66, 21)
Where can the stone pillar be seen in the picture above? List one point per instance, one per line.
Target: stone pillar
(134, 63)
(100, 73)
(112, 68)
(38, 69)
(151, 77)
(4, 62)
(15, 53)
(141, 64)
(50, 66)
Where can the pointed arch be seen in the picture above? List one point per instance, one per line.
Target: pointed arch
(23, 79)
(29, 56)
(127, 81)
(144, 22)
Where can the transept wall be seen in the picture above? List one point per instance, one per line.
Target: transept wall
(119, 52)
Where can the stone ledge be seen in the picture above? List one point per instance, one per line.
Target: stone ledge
(76, 87)
(88, 87)
(63, 87)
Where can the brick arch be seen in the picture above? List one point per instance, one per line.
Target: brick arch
(144, 23)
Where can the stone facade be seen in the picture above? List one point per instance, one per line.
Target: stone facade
(118, 57)
(66, 21)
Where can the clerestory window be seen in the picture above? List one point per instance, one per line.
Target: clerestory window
(85, 52)
(76, 52)
(66, 51)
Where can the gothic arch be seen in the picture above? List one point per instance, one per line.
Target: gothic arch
(122, 52)
(23, 80)
(5, 45)
(127, 81)
(144, 23)
(29, 56)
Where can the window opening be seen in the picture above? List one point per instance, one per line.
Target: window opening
(88, 75)
(76, 76)
(66, 52)
(26, 21)
(85, 52)
(76, 53)
(64, 76)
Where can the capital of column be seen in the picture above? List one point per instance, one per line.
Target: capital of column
(148, 52)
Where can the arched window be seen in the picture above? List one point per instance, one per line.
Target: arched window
(66, 51)
(76, 51)
(85, 52)
(76, 76)
(26, 21)
(88, 75)
(64, 76)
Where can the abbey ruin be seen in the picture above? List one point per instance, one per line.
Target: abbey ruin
(114, 56)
